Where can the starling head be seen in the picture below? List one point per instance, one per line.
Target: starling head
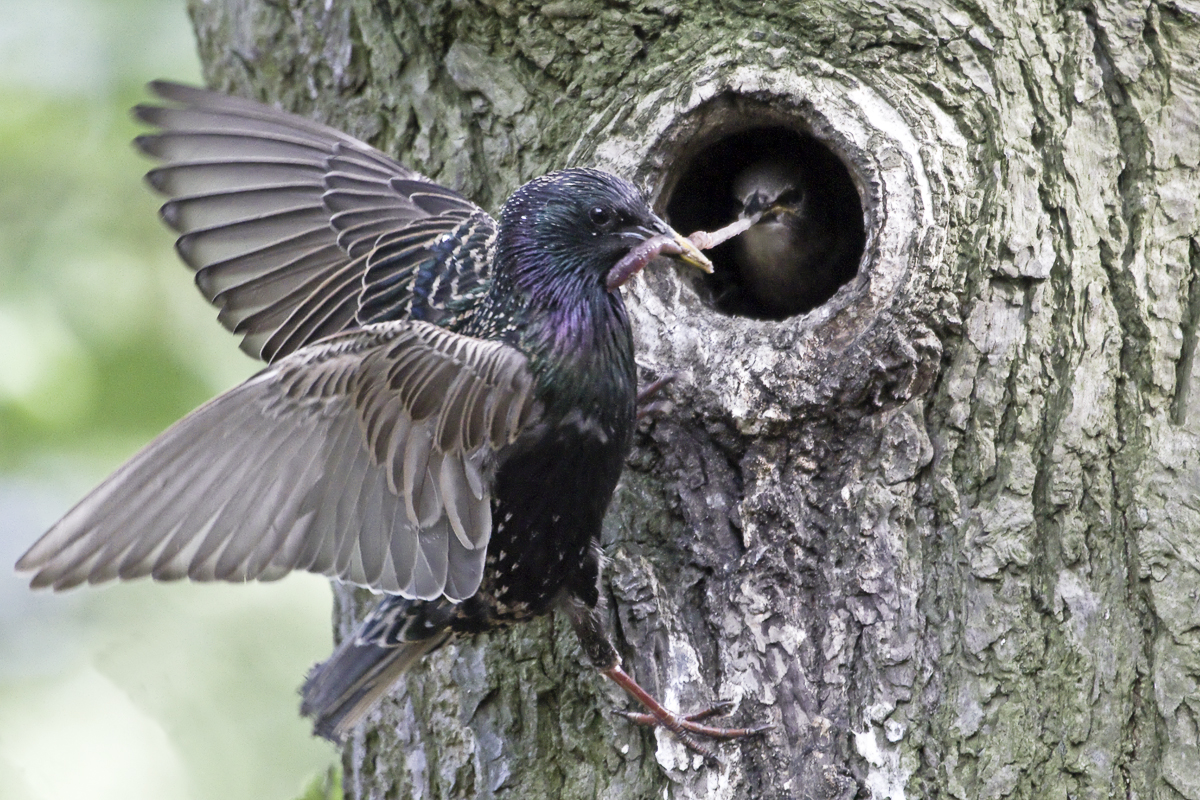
(769, 188)
(579, 225)
(791, 258)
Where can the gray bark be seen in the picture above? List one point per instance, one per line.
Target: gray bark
(941, 531)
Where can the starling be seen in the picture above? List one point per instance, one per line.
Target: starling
(794, 256)
(448, 402)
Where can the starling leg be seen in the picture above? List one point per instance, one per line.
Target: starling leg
(680, 726)
(647, 404)
(590, 630)
(719, 710)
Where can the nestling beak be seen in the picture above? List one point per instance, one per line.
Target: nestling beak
(754, 204)
(779, 210)
(669, 243)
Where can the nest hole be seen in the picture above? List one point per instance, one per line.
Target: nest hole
(810, 239)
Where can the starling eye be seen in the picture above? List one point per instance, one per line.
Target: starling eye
(600, 216)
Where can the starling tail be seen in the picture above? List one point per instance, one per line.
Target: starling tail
(340, 691)
(369, 662)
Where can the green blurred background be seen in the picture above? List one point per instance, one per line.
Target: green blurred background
(140, 690)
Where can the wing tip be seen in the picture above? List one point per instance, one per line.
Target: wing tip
(41, 558)
(148, 114)
(28, 562)
(175, 92)
(171, 215)
(156, 179)
(147, 144)
(185, 248)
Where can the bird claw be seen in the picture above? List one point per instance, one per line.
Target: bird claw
(654, 410)
(687, 728)
(684, 728)
(691, 722)
(652, 389)
(647, 406)
(719, 710)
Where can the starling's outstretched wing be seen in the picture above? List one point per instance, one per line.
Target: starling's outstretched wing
(298, 231)
(368, 456)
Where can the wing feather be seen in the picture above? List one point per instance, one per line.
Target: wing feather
(280, 216)
(432, 563)
(366, 457)
(414, 469)
(341, 464)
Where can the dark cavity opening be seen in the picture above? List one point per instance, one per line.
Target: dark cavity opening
(810, 240)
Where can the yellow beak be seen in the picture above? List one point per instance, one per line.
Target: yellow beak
(691, 254)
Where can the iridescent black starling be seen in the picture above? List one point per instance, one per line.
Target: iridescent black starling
(792, 259)
(447, 407)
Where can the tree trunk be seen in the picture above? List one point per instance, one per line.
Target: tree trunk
(941, 531)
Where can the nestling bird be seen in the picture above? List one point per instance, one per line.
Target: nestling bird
(447, 406)
(794, 257)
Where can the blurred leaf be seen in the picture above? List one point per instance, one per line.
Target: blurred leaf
(325, 787)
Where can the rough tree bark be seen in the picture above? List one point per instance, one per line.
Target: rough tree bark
(941, 531)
